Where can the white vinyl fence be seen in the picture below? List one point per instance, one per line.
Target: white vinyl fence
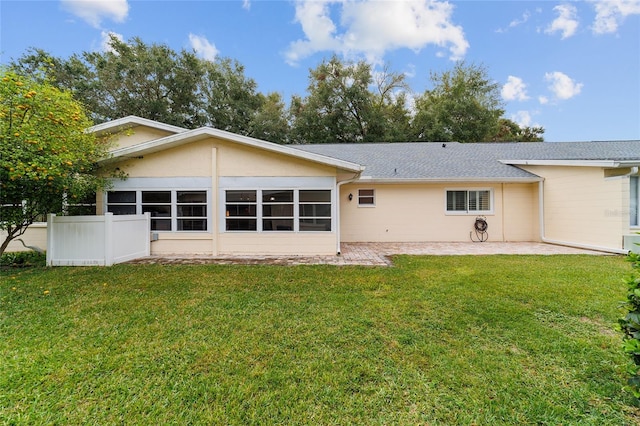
(97, 240)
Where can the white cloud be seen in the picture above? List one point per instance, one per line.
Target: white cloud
(611, 13)
(514, 89)
(566, 22)
(516, 22)
(543, 100)
(562, 86)
(203, 47)
(105, 42)
(94, 11)
(246, 4)
(371, 28)
(522, 118)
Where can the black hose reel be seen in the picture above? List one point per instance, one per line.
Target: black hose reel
(480, 229)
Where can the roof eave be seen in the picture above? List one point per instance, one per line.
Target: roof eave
(132, 121)
(369, 179)
(574, 163)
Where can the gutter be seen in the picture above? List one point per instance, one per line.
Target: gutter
(544, 239)
(338, 185)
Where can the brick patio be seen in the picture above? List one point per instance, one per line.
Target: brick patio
(375, 254)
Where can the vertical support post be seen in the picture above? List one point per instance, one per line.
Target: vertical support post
(50, 239)
(213, 214)
(108, 239)
(147, 247)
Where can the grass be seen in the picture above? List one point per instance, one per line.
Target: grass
(434, 340)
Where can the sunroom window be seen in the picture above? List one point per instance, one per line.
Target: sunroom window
(315, 210)
(284, 210)
(277, 210)
(241, 211)
(158, 203)
(191, 210)
(169, 210)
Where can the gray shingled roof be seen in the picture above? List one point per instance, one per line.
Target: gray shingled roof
(469, 161)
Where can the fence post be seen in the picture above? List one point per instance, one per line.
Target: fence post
(50, 238)
(147, 248)
(108, 239)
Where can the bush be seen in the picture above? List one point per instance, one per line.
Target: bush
(23, 259)
(630, 324)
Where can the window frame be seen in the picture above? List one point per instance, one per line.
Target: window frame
(634, 202)
(361, 197)
(173, 217)
(467, 211)
(296, 206)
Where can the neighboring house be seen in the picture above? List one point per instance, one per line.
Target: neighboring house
(214, 192)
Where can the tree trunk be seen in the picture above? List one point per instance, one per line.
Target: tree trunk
(5, 243)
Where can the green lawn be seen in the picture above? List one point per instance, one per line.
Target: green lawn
(434, 340)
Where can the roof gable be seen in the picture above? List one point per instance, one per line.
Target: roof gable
(185, 136)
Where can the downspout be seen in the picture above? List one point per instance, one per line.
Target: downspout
(338, 185)
(544, 239)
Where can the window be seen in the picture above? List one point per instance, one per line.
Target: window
(366, 197)
(315, 210)
(241, 211)
(192, 210)
(169, 210)
(285, 210)
(277, 210)
(466, 201)
(634, 200)
(158, 203)
(121, 202)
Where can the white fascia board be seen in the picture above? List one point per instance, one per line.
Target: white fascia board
(369, 179)
(205, 132)
(132, 121)
(571, 163)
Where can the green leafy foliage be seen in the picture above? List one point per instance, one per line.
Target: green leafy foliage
(630, 324)
(22, 259)
(341, 107)
(45, 152)
(463, 106)
(345, 102)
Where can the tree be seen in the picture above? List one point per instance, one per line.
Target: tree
(230, 100)
(151, 81)
(269, 123)
(341, 108)
(510, 131)
(464, 106)
(154, 82)
(46, 155)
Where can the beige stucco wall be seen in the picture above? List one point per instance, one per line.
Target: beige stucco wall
(417, 213)
(137, 135)
(213, 158)
(196, 159)
(582, 206)
(520, 212)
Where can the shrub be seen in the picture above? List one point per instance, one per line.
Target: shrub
(22, 259)
(630, 324)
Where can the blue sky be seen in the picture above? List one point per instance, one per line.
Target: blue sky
(572, 67)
